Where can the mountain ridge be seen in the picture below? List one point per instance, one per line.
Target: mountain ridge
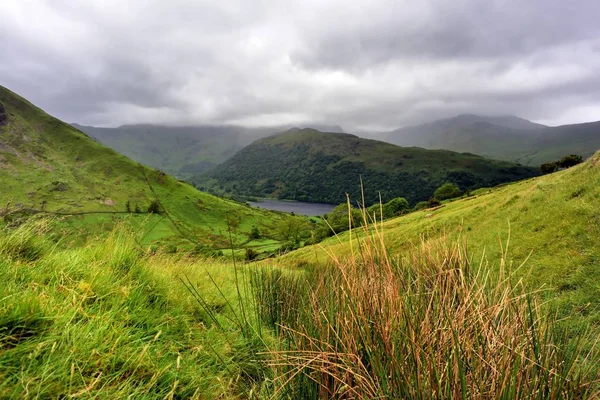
(314, 166)
(506, 137)
(180, 150)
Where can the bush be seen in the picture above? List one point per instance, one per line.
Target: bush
(251, 255)
(154, 207)
(433, 202)
(448, 190)
(395, 207)
(548, 168)
(254, 233)
(570, 161)
(421, 205)
(338, 218)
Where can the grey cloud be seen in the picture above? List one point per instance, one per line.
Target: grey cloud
(362, 64)
(455, 30)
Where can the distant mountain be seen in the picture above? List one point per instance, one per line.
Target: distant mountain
(506, 138)
(310, 165)
(181, 151)
(48, 166)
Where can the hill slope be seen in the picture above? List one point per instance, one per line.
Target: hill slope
(181, 151)
(505, 138)
(551, 222)
(309, 165)
(47, 165)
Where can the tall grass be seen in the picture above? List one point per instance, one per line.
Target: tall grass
(108, 320)
(431, 324)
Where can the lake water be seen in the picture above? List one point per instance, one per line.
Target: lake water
(297, 207)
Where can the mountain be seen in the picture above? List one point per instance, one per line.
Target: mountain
(185, 150)
(506, 138)
(314, 166)
(48, 166)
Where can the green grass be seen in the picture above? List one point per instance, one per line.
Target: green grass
(47, 165)
(108, 320)
(550, 223)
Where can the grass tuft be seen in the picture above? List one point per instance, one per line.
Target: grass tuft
(430, 324)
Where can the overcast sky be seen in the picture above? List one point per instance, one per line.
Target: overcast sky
(372, 64)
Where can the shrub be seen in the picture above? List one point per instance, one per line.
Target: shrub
(338, 218)
(395, 207)
(421, 205)
(154, 207)
(448, 190)
(548, 168)
(570, 161)
(254, 233)
(251, 255)
(433, 202)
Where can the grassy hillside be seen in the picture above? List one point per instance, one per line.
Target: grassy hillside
(309, 165)
(49, 166)
(110, 320)
(180, 151)
(107, 320)
(503, 138)
(550, 223)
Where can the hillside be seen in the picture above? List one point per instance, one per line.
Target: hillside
(550, 223)
(309, 165)
(180, 151)
(505, 138)
(48, 166)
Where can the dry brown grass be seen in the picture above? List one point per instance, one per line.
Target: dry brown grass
(430, 324)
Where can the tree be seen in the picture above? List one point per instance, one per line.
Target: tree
(154, 207)
(128, 206)
(395, 207)
(548, 168)
(137, 209)
(251, 254)
(570, 161)
(338, 218)
(433, 202)
(421, 205)
(448, 190)
(254, 233)
(292, 230)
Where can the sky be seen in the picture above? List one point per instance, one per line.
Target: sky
(366, 65)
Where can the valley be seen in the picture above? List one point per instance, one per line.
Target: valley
(50, 168)
(123, 281)
(299, 200)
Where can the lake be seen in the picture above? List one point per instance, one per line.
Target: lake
(297, 207)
